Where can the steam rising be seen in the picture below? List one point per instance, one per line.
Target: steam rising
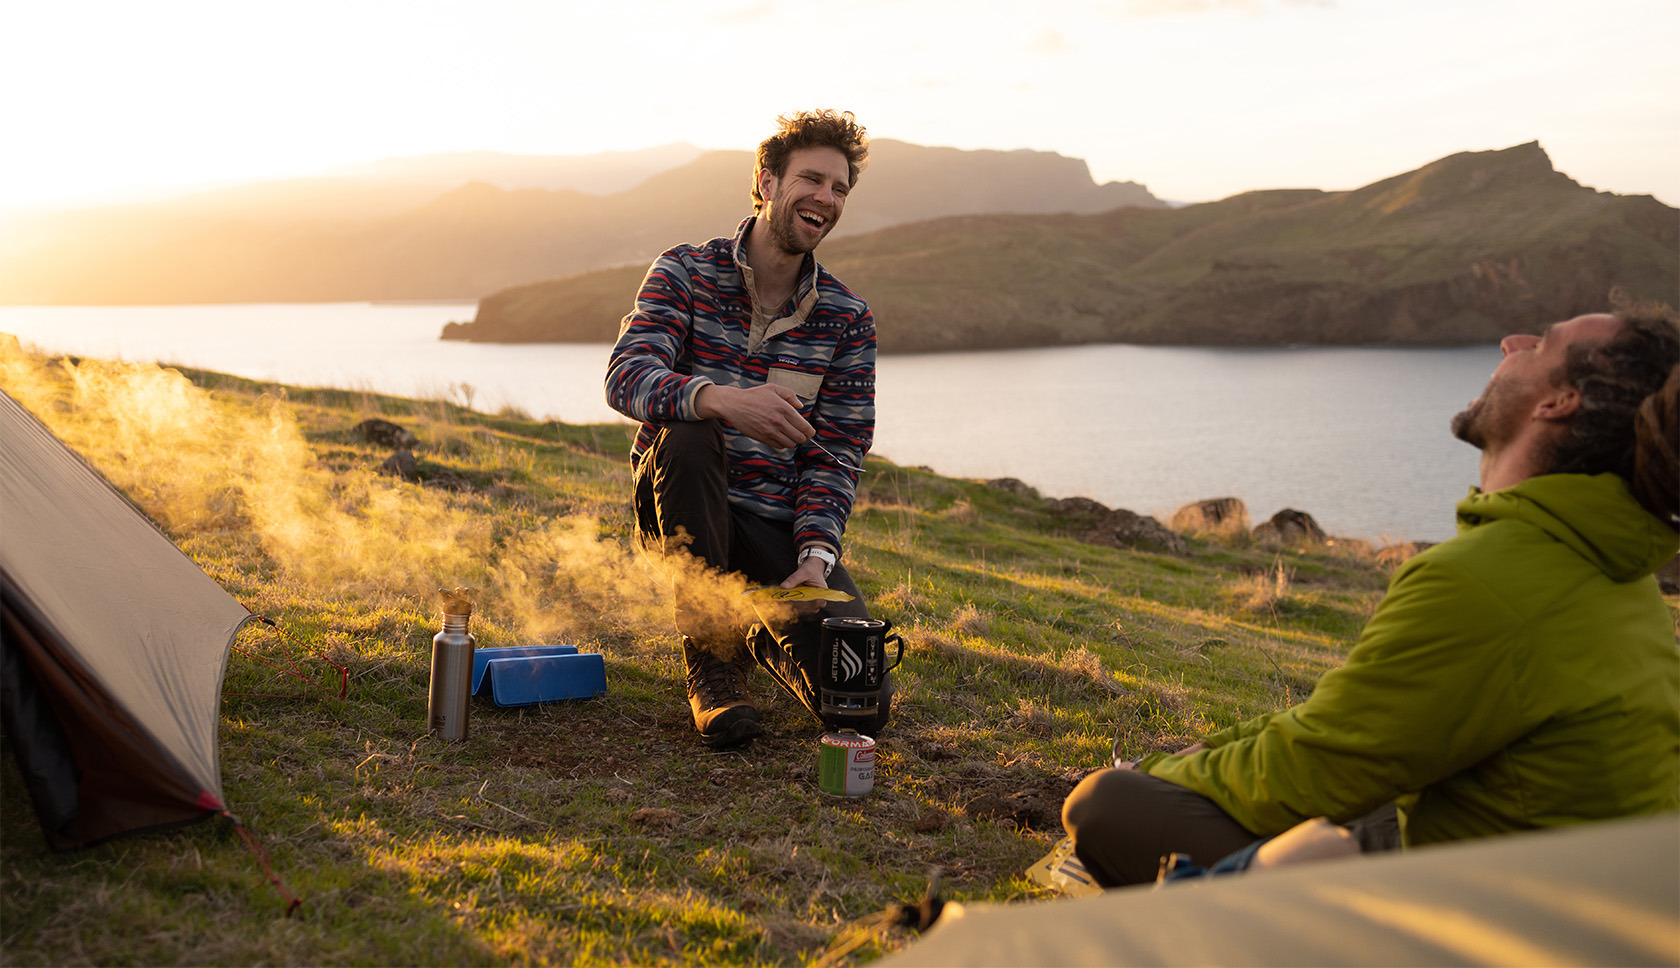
(198, 462)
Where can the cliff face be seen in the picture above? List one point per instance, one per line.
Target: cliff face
(477, 238)
(1460, 251)
(909, 183)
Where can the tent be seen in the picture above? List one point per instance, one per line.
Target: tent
(113, 643)
(1605, 893)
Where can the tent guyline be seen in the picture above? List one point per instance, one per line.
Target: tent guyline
(293, 902)
(291, 667)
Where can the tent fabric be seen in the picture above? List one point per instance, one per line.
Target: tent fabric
(1605, 893)
(115, 646)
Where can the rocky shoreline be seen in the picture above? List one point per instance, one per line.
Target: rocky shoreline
(1225, 518)
(1221, 517)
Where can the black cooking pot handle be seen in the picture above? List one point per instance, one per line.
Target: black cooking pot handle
(894, 637)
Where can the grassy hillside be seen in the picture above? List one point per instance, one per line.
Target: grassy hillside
(1461, 251)
(601, 832)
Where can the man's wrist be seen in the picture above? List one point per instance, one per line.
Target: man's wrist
(827, 557)
(711, 409)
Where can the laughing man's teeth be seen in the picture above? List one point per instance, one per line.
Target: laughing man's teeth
(816, 220)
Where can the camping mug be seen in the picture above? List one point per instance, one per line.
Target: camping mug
(852, 666)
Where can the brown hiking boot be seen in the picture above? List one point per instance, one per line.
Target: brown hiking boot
(717, 695)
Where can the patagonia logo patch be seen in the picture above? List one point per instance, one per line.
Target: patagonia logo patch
(785, 360)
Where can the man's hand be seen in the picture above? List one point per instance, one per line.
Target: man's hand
(768, 413)
(1132, 764)
(809, 572)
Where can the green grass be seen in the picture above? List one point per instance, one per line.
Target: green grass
(601, 832)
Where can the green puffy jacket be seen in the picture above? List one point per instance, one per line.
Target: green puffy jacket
(1524, 674)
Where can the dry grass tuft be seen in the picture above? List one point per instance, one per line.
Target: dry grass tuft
(1082, 663)
(1030, 717)
(903, 598)
(969, 620)
(1266, 589)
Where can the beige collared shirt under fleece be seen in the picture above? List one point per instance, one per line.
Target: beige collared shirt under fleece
(765, 323)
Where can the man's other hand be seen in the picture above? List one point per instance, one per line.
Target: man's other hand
(768, 413)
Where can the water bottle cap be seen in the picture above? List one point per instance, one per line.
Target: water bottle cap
(456, 601)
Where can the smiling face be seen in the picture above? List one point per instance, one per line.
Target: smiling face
(1528, 375)
(806, 200)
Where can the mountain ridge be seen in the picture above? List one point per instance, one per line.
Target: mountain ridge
(1459, 251)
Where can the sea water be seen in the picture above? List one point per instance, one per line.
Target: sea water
(1357, 437)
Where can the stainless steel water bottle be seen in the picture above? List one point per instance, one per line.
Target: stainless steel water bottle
(452, 666)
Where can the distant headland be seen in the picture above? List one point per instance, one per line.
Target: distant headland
(1459, 252)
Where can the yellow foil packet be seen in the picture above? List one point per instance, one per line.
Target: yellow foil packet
(798, 593)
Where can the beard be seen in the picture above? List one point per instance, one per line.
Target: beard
(1467, 425)
(784, 233)
(1491, 418)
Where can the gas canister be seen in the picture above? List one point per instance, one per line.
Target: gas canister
(846, 764)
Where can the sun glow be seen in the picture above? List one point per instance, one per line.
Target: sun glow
(1196, 98)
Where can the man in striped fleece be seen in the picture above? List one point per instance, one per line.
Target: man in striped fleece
(752, 371)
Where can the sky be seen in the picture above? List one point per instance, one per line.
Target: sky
(1197, 99)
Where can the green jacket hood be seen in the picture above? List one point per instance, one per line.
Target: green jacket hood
(1593, 514)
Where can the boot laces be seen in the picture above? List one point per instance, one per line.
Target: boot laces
(716, 681)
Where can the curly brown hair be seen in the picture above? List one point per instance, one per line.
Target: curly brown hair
(1656, 464)
(826, 128)
(1627, 423)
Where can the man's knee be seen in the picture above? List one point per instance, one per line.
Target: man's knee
(1093, 806)
(685, 442)
(1123, 822)
(1098, 815)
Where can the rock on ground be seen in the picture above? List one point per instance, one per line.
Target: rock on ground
(1291, 527)
(402, 464)
(1117, 527)
(1216, 514)
(384, 433)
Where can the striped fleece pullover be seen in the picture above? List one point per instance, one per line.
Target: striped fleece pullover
(694, 325)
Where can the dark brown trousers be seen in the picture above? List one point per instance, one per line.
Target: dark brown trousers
(1123, 822)
(682, 485)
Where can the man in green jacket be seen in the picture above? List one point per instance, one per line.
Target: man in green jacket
(1523, 675)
